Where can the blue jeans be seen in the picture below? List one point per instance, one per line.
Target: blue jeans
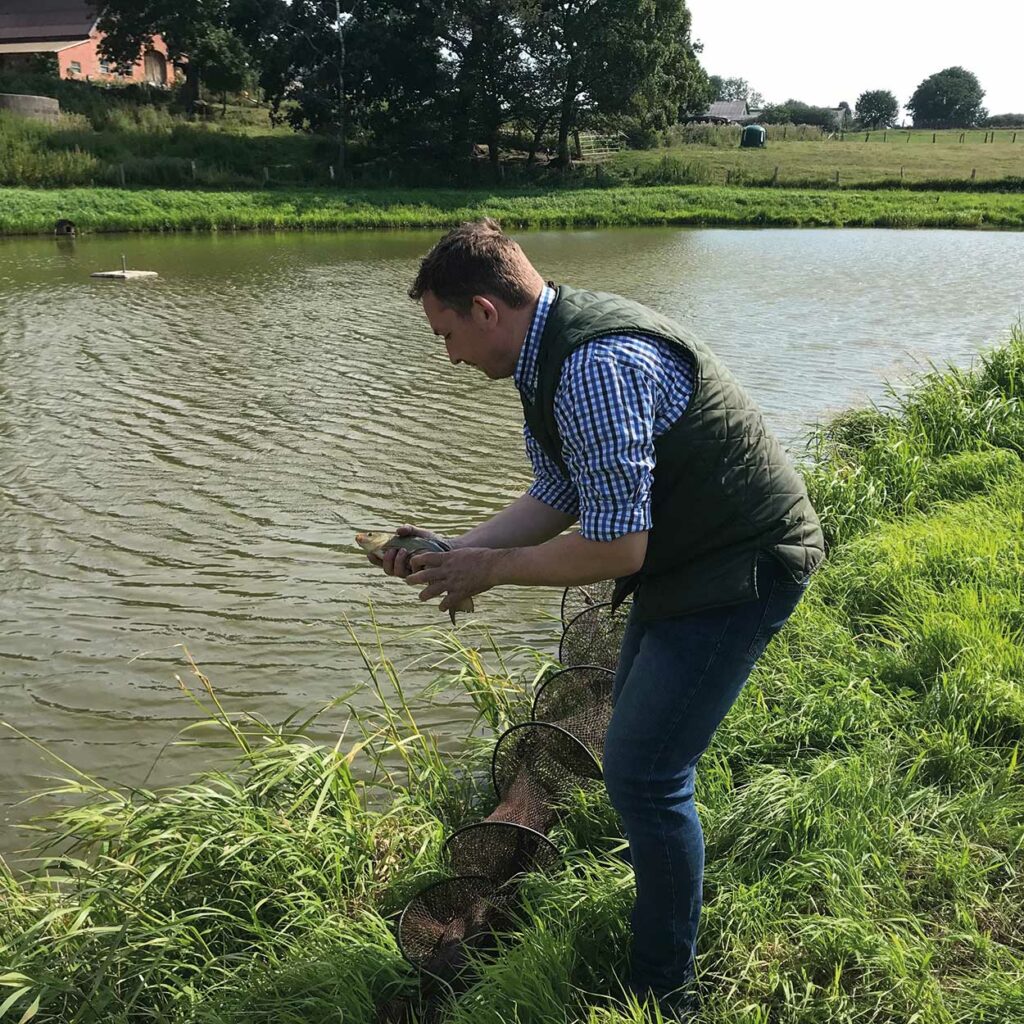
(676, 680)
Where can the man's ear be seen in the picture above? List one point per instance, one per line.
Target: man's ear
(483, 311)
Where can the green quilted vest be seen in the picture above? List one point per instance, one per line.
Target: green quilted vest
(724, 490)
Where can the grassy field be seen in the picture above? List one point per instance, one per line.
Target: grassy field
(147, 146)
(857, 163)
(34, 211)
(863, 802)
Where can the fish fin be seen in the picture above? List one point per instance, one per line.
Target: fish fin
(462, 606)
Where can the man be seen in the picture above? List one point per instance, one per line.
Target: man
(637, 431)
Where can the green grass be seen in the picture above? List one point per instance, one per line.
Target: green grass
(814, 164)
(150, 146)
(119, 136)
(863, 802)
(30, 211)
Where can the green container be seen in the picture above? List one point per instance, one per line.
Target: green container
(753, 136)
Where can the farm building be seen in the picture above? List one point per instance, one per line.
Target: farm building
(66, 31)
(728, 112)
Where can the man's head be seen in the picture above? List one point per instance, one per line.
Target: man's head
(478, 290)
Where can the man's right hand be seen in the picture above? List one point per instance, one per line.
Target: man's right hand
(396, 562)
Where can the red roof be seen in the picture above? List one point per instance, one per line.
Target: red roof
(30, 21)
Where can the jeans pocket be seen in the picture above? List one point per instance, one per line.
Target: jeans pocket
(783, 596)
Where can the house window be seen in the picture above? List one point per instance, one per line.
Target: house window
(75, 67)
(104, 67)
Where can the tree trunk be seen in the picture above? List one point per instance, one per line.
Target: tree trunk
(538, 135)
(342, 105)
(565, 126)
(190, 90)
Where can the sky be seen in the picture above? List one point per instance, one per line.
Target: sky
(823, 53)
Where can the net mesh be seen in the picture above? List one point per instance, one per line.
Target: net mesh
(594, 637)
(579, 699)
(441, 924)
(536, 765)
(499, 849)
(539, 762)
(579, 599)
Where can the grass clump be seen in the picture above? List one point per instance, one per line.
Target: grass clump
(863, 803)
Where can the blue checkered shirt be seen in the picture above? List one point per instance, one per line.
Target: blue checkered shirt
(616, 395)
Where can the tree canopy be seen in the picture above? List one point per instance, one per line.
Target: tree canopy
(877, 108)
(451, 72)
(797, 112)
(207, 37)
(735, 89)
(437, 74)
(948, 99)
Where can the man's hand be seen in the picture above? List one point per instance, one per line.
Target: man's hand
(395, 562)
(457, 574)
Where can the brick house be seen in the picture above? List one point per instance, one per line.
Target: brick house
(66, 30)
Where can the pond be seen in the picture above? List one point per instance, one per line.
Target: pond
(184, 461)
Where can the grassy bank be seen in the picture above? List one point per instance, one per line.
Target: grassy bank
(863, 803)
(29, 211)
(116, 142)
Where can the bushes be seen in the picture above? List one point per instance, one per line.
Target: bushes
(150, 147)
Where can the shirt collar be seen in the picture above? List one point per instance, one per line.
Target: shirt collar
(525, 374)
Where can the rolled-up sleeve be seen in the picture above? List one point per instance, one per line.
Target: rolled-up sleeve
(550, 484)
(605, 412)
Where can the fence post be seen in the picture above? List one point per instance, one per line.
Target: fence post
(775, 176)
(908, 138)
(901, 175)
(330, 171)
(728, 175)
(933, 138)
(266, 175)
(120, 168)
(885, 136)
(193, 170)
(974, 173)
(837, 176)
(1014, 136)
(867, 135)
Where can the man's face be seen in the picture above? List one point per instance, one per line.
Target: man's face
(474, 338)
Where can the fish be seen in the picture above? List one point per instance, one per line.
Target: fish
(377, 543)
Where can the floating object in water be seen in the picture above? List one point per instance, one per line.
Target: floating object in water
(378, 543)
(64, 228)
(124, 274)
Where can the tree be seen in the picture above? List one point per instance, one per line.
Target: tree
(728, 89)
(360, 69)
(609, 57)
(796, 112)
(484, 47)
(948, 99)
(877, 108)
(204, 36)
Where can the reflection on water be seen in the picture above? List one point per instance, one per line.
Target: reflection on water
(184, 461)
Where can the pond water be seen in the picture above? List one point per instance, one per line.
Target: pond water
(183, 461)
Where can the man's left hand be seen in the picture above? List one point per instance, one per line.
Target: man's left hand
(458, 574)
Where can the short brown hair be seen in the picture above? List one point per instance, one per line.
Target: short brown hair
(476, 258)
